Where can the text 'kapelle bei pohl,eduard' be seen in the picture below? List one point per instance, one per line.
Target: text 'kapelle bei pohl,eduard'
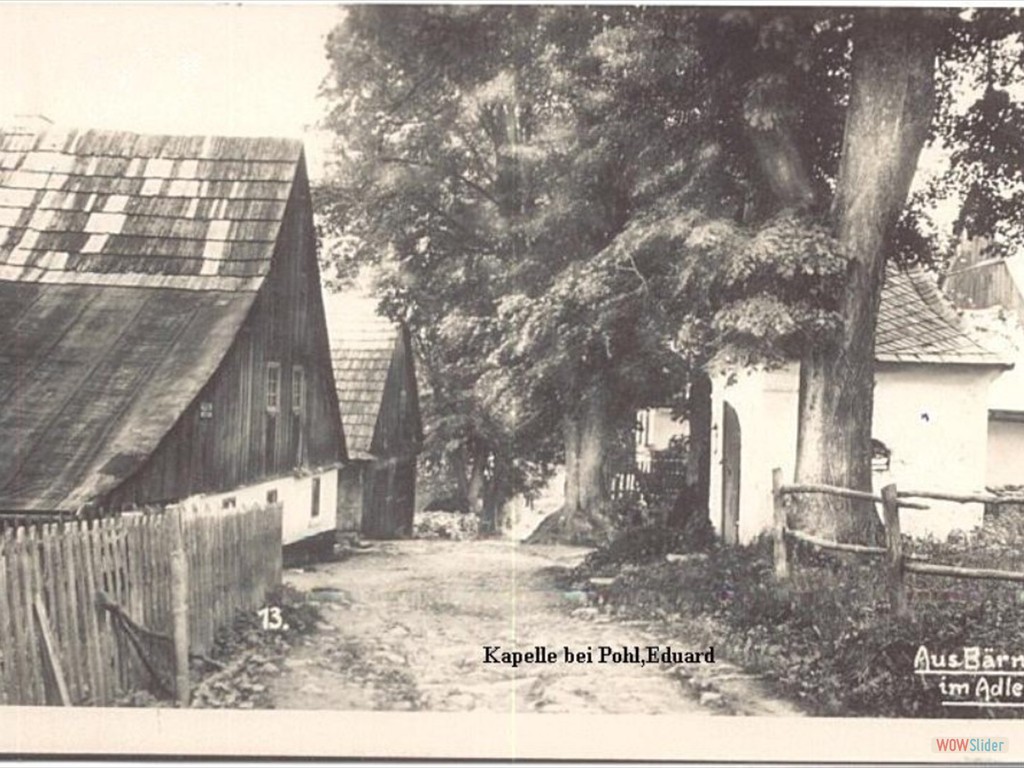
(597, 654)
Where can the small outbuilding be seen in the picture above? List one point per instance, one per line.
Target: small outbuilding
(930, 421)
(376, 383)
(991, 293)
(162, 334)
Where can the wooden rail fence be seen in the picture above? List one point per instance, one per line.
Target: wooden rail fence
(87, 609)
(897, 563)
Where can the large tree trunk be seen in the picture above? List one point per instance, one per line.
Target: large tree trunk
(477, 481)
(588, 432)
(459, 471)
(698, 470)
(492, 517)
(891, 103)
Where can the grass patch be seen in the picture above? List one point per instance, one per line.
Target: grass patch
(827, 640)
(250, 654)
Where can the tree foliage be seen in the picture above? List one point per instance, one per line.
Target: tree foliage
(556, 198)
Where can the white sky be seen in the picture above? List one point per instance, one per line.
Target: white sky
(245, 69)
(237, 70)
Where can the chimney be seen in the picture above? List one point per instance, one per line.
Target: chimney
(26, 124)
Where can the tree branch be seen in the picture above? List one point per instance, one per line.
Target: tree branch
(635, 270)
(419, 164)
(405, 97)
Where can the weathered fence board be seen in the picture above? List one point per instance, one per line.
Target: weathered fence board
(897, 563)
(963, 498)
(6, 636)
(847, 493)
(961, 572)
(51, 575)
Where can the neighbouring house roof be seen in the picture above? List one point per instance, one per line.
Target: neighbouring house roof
(1001, 329)
(362, 348)
(917, 324)
(991, 292)
(128, 263)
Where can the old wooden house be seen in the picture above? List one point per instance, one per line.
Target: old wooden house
(376, 380)
(162, 334)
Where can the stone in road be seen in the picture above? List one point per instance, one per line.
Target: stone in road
(405, 626)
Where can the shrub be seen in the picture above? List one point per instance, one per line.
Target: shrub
(446, 525)
(827, 638)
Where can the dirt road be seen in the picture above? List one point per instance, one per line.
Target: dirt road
(406, 625)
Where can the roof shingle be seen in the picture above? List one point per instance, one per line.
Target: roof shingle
(362, 348)
(916, 324)
(107, 203)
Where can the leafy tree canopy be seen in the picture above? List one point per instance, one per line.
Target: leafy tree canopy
(558, 196)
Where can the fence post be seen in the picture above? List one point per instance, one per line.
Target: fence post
(894, 559)
(779, 529)
(179, 603)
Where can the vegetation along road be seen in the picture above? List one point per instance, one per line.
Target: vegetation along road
(406, 625)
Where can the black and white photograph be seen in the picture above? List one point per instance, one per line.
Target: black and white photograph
(497, 381)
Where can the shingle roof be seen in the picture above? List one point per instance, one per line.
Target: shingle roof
(916, 324)
(128, 263)
(91, 378)
(362, 348)
(114, 208)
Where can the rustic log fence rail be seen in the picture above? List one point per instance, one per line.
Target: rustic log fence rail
(897, 563)
(60, 641)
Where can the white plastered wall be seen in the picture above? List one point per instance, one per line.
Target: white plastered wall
(1005, 453)
(932, 417)
(661, 429)
(664, 428)
(295, 494)
(766, 407)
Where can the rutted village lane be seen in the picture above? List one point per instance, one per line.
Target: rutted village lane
(405, 625)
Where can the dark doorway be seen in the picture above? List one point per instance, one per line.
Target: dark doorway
(731, 452)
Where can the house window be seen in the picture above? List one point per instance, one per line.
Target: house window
(272, 496)
(273, 386)
(229, 503)
(881, 456)
(643, 427)
(298, 388)
(315, 509)
(205, 410)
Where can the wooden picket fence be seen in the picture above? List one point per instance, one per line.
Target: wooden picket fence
(897, 563)
(234, 559)
(87, 609)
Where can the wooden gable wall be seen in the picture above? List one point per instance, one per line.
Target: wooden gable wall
(227, 438)
(399, 430)
(984, 286)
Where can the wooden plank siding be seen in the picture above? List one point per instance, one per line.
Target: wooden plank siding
(227, 437)
(377, 495)
(389, 497)
(350, 497)
(985, 285)
(398, 431)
